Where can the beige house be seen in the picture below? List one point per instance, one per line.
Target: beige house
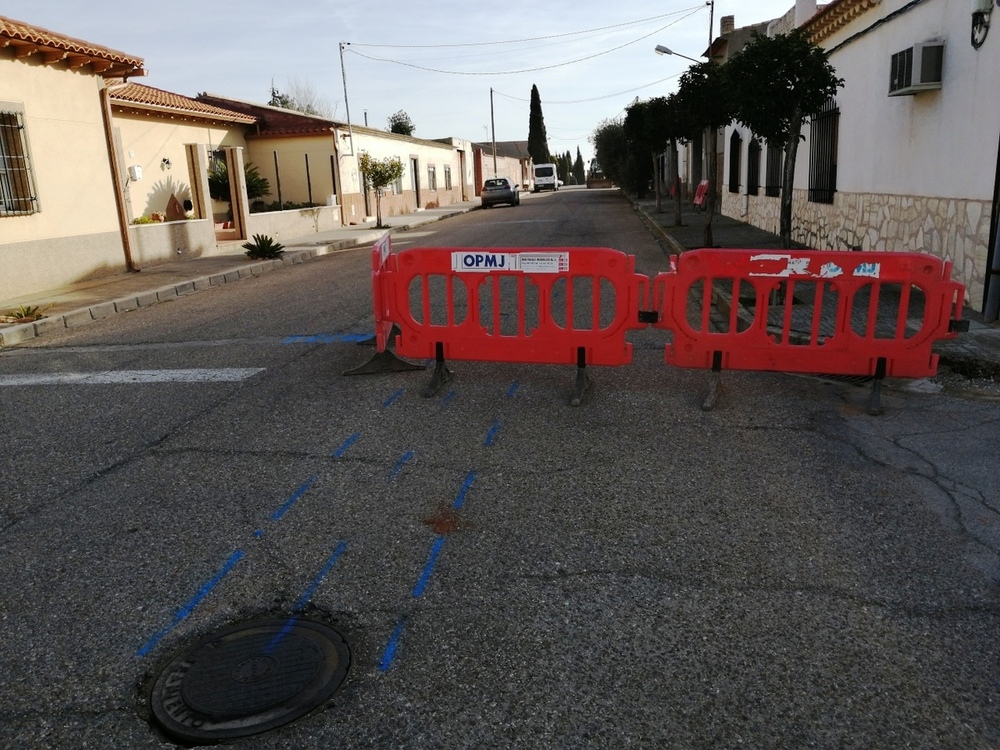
(314, 160)
(165, 142)
(503, 159)
(99, 174)
(60, 221)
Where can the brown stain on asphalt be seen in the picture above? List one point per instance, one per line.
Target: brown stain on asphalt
(445, 520)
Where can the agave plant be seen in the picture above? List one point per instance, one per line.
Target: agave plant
(263, 247)
(24, 313)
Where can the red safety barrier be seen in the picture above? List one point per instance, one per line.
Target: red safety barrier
(700, 193)
(384, 360)
(873, 314)
(810, 311)
(530, 305)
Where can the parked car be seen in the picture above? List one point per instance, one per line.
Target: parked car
(500, 190)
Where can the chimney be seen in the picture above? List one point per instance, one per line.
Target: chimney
(726, 25)
(804, 10)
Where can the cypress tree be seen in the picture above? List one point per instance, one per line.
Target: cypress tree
(538, 142)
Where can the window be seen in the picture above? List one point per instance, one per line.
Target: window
(447, 178)
(753, 167)
(432, 180)
(397, 186)
(17, 184)
(823, 153)
(735, 157)
(775, 159)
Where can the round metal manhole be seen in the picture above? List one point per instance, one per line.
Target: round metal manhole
(248, 679)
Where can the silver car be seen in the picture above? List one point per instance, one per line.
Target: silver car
(500, 190)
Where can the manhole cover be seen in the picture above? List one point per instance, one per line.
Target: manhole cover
(249, 678)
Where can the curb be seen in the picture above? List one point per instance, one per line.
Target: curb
(22, 332)
(18, 334)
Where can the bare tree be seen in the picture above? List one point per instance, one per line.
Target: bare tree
(302, 97)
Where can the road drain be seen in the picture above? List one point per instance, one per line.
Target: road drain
(248, 679)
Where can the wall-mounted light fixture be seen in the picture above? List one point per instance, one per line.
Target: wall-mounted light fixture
(981, 12)
(166, 163)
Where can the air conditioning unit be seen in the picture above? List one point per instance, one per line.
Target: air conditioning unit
(917, 68)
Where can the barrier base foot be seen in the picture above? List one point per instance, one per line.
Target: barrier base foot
(581, 387)
(875, 399)
(714, 391)
(373, 339)
(384, 361)
(441, 376)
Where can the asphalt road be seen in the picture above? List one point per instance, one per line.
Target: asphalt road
(508, 571)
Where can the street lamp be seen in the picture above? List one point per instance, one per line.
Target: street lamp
(661, 50)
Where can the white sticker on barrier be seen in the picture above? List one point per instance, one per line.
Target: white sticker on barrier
(524, 262)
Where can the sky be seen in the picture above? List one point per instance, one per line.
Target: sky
(444, 63)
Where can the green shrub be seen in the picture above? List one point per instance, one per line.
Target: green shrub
(263, 248)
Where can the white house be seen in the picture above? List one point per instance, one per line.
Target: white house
(906, 156)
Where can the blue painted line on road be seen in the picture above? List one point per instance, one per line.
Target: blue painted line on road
(513, 389)
(346, 444)
(193, 602)
(399, 465)
(327, 338)
(491, 434)
(306, 597)
(392, 399)
(390, 648)
(428, 568)
(296, 496)
(460, 500)
(327, 567)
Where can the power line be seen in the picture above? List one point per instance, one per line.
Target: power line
(531, 39)
(591, 99)
(525, 70)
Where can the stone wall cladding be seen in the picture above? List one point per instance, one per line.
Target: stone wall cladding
(954, 229)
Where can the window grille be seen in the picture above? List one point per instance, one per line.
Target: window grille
(17, 184)
(775, 160)
(447, 178)
(753, 167)
(432, 183)
(823, 132)
(735, 157)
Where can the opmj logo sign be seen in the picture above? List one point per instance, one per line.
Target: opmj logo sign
(531, 262)
(483, 261)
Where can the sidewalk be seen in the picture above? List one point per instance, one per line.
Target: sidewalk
(973, 354)
(77, 304)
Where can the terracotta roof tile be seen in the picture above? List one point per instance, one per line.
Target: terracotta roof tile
(147, 97)
(32, 40)
(834, 16)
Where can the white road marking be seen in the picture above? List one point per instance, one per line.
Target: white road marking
(119, 377)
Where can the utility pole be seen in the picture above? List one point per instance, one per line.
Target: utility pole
(347, 104)
(711, 21)
(494, 133)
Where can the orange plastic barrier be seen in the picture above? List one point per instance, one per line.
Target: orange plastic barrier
(811, 311)
(700, 192)
(384, 359)
(532, 305)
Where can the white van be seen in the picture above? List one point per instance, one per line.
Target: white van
(546, 178)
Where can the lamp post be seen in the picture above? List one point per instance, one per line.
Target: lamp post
(675, 167)
(661, 50)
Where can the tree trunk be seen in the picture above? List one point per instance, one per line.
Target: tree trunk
(788, 179)
(656, 183)
(675, 180)
(713, 164)
(378, 209)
